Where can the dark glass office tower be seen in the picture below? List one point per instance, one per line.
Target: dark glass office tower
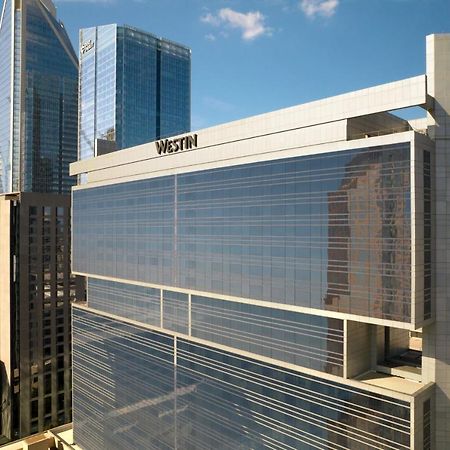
(38, 99)
(134, 88)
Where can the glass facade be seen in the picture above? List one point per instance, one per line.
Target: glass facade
(174, 89)
(41, 95)
(176, 312)
(427, 232)
(427, 425)
(302, 339)
(134, 88)
(329, 231)
(120, 371)
(138, 303)
(97, 88)
(137, 84)
(6, 15)
(16, 100)
(135, 388)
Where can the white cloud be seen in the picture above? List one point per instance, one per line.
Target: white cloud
(251, 24)
(210, 37)
(324, 8)
(211, 19)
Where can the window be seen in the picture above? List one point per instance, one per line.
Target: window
(34, 409)
(427, 425)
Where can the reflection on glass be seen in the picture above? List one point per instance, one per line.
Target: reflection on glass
(126, 300)
(122, 385)
(427, 230)
(134, 88)
(127, 388)
(175, 312)
(38, 101)
(301, 339)
(5, 96)
(329, 231)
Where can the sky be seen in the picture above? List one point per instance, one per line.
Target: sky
(254, 56)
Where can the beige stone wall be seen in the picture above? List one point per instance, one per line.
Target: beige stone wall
(358, 346)
(5, 332)
(398, 342)
(436, 337)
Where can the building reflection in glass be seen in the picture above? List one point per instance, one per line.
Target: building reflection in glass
(369, 251)
(329, 231)
(128, 388)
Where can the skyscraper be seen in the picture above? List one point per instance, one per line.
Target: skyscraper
(38, 141)
(134, 88)
(267, 283)
(38, 99)
(36, 291)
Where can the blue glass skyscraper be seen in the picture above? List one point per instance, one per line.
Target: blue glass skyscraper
(38, 99)
(134, 88)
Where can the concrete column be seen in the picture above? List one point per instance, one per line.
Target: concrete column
(5, 314)
(436, 352)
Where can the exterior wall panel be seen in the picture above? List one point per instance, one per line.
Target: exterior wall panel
(6, 83)
(300, 339)
(129, 394)
(330, 232)
(123, 385)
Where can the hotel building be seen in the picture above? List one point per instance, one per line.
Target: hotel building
(276, 282)
(134, 88)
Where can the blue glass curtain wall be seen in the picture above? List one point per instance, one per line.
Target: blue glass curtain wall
(51, 105)
(329, 231)
(5, 94)
(129, 394)
(302, 339)
(134, 88)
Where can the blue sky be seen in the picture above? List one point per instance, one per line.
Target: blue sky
(255, 56)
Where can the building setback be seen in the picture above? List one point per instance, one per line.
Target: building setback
(38, 141)
(134, 88)
(280, 284)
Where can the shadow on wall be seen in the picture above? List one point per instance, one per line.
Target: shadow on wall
(5, 405)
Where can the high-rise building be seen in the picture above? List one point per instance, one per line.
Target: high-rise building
(134, 88)
(276, 282)
(36, 291)
(38, 99)
(38, 141)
